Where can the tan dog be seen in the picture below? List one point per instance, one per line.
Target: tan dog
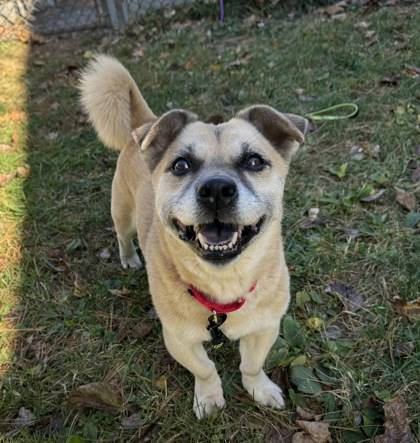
(206, 203)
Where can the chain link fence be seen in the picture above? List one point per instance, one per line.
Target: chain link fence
(59, 16)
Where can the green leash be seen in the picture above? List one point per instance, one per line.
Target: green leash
(350, 110)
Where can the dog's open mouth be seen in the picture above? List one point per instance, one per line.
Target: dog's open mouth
(218, 241)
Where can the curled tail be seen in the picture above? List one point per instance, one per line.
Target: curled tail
(113, 102)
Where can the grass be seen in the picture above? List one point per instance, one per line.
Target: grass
(61, 327)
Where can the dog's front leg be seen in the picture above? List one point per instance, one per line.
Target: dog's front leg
(254, 349)
(208, 392)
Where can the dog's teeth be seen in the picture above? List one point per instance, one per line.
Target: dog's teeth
(205, 246)
(234, 238)
(225, 247)
(211, 247)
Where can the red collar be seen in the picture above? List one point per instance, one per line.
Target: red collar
(218, 308)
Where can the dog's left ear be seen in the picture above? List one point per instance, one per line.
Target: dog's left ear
(284, 131)
(155, 137)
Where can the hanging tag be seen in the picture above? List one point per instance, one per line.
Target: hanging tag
(217, 336)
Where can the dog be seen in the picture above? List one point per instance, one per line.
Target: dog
(205, 201)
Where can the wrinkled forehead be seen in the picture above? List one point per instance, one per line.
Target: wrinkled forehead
(224, 141)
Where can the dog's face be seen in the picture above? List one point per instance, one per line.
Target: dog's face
(218, 187)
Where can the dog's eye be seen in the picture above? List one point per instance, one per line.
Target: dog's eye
(254, 162)
(181, 166)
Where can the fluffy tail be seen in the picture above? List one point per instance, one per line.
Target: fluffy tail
(113, 101)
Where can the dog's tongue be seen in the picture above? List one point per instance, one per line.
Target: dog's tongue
(216, 232)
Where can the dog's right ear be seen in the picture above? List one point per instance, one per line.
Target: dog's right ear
(155, 137)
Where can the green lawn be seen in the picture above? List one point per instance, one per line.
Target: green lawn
(69, 315)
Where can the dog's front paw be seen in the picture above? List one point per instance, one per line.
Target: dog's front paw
(208, 396)
(133, 261)
(263, 390)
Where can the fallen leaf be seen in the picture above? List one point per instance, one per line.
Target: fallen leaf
(141, 330)
(23, 171)
(397, 426)
(99, 395)
(362, 25)
(317, 431)
(352, 300)
(405, 199)
(119, 292)
(336, 8)
(305, 414)
(162, 383)
(79, 286)
(134, 421)
(403, 349)
(407, 309)
(374, 197)
(5, 148)
(6, 178)
(412, 71)
(25, 418)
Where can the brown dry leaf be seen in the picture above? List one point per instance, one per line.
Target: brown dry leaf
(412, 71)
(301, 437)
(141, 330)
(119, 292)
(6, 178)
(23, 171)
(351, 299)
(80, 287)
(405, 199)
(5, 148)
(99, 395)
(410, 310)
(307, 415)
(162, 383)
(317, 432)
(397, 426)
(337, 8)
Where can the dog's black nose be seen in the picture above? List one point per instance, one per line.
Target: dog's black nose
(217, 192)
